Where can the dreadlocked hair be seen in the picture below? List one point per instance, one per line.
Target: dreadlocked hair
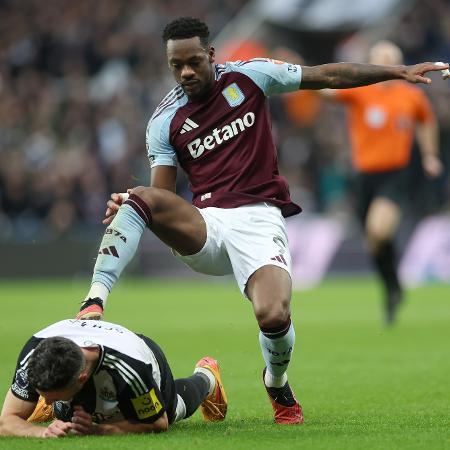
(185, 28)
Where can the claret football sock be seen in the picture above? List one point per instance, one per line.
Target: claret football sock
(276, 346)
(120, 241)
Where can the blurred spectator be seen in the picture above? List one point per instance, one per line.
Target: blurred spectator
(78, 81)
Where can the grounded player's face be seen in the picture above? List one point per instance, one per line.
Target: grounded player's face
(64, 394)
(191, 65)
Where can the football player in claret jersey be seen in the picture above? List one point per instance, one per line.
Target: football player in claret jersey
(216, 126)
(96, 377)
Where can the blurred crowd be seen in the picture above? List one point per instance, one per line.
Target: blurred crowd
(80, 79)
(78, 83)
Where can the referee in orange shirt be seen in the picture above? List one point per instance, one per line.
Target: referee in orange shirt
(382, 120)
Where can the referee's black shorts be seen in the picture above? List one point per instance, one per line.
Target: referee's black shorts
(367, 186)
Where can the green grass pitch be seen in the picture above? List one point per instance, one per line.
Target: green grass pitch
(362, 386)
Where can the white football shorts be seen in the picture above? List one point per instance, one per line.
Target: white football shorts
(240, 241)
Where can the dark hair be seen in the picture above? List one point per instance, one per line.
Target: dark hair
(55, 364)
(185, 28)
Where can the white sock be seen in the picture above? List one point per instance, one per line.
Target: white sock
(98, 290)
(180, 412)
(277, 355)
(274, 381)
(211, 378)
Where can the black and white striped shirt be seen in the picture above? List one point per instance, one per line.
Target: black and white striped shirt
(132, 380)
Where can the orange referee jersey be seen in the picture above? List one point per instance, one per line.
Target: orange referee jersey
(382, 118)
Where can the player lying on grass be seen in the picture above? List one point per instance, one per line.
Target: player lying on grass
(95, 377)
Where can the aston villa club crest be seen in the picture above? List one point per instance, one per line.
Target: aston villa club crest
(233, 95)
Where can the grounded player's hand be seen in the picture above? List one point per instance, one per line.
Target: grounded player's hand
(82, 422)
(416, 73)
(57, 429)
(432, 166)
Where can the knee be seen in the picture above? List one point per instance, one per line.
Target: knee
(273, 314)
(150, 195)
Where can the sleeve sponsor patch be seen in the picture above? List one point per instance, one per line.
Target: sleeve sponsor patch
(147, 405)
(20, 384)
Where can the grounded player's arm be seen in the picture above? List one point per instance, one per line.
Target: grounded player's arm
(13, 419)
(82, 425)
(348, 75)
(126, 427)
(428, 140)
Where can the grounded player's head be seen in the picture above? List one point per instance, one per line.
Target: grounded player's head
(55, 364)
(385, 53)
(190, 55)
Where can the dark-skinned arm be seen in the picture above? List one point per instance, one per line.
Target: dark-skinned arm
(349, 75)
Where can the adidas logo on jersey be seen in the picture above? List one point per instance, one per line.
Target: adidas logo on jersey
(219, 135)
(188, 125)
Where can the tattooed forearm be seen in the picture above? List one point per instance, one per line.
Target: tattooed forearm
(352, 75)
(347, 75)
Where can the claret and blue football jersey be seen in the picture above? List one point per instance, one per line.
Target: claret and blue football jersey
(224, 143)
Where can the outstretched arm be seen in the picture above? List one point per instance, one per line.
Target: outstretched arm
(13, 421)
(348, 75)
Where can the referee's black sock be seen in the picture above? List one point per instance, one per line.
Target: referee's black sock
(193, 390)
(386, 263)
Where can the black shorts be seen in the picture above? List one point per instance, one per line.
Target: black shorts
(167, 388)
(368, 186)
